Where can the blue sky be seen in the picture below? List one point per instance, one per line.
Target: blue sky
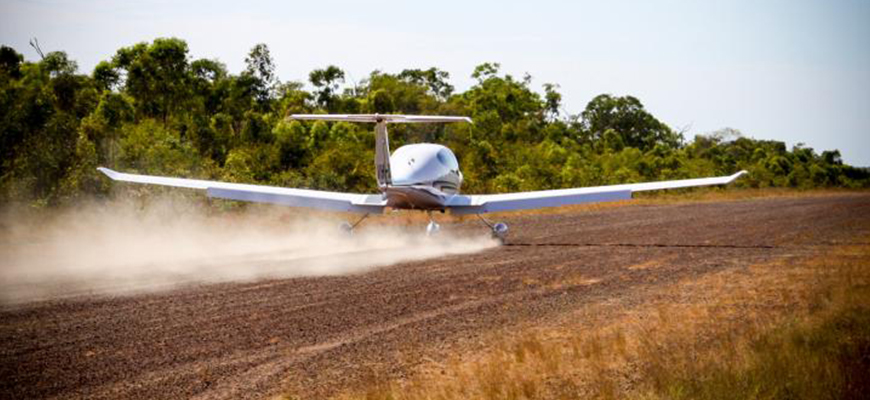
(796, 71)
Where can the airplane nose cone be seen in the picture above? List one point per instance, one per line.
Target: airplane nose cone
(432, 228)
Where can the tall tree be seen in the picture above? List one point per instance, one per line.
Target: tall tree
(10, 63)
(553, 100)
(326, 81)
(260, 66)
(157, 76)
(433, 78)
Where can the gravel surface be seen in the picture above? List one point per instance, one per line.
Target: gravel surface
(315, 336)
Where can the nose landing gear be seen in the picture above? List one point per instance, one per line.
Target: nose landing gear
(433, 228)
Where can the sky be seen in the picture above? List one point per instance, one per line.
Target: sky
(796, 71)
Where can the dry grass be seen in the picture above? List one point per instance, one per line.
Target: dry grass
(788, 329)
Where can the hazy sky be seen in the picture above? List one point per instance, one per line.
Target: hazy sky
(797, 71)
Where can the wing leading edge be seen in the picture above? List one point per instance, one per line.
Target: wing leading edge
(479, 204)
(328, 201)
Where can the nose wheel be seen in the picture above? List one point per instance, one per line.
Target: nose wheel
(433, 228)
(499, 229)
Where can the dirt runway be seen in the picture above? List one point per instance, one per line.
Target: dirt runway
(314, 336)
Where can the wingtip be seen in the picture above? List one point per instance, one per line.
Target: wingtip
(739, 174)
(111, 174)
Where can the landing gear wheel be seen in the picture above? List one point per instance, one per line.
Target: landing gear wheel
(499, 229)
(346, 228)
(433, 228)
(499, 232)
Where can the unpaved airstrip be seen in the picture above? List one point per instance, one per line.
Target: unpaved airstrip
(314, 336)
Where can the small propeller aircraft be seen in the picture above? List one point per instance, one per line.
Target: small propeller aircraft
(422, 176)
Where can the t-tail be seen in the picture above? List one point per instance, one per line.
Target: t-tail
(382, 141)
(382, 155)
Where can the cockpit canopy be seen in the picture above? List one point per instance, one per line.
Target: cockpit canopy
(426, 164)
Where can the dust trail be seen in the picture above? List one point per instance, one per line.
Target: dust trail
(118, 248)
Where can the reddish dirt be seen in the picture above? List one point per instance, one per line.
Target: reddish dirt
(315, 336)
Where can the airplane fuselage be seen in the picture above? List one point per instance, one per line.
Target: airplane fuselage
(424, 177)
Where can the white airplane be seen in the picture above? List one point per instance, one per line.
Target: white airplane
(421, 176)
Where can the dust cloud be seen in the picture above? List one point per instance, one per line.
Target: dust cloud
(120, 248)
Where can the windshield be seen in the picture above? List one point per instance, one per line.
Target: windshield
(447, 158)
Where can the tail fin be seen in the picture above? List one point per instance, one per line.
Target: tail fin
(382, 155)
(382, 143)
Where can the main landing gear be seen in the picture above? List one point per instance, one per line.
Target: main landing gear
(347, 229)
(499, 229)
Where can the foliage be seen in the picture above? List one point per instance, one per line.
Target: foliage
(150, 108)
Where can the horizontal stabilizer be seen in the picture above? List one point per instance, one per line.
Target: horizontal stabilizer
(375, 118)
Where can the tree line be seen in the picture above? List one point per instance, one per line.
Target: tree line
(152, 109)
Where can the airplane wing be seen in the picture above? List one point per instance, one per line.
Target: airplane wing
(479, 204)
(328, 201)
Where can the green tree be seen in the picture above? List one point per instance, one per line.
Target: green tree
(261, 68)
(553, 100)
(157, 76)
(10, 63)
(627, 117)
(433, 78)
(326, 81)
(57, 63)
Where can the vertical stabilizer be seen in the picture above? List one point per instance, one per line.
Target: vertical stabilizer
(382, 155)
